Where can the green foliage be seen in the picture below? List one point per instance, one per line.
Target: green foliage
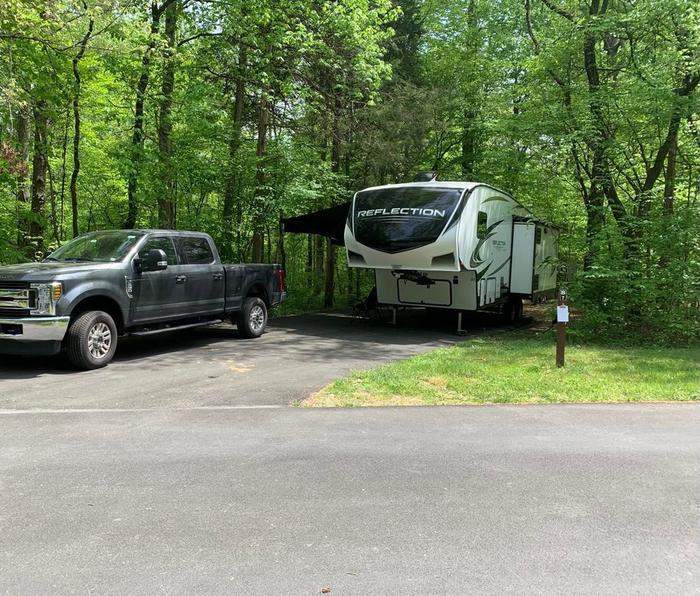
(356, 93)
(655, 298)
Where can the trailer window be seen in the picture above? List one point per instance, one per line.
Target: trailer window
(481, 225)
(398, 219)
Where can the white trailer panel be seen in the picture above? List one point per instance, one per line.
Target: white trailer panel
(521, 275)
(455, 245)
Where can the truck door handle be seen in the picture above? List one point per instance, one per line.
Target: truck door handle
(180, 279)
(218, 276)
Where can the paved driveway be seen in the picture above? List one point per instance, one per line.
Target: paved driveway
(213, 367)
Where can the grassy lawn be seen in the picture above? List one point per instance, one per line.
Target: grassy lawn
(521, 369)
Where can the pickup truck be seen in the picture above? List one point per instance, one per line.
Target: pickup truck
(107, 284)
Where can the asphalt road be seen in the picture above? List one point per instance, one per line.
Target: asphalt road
(482, 500)
(180, 469)
(213, 367)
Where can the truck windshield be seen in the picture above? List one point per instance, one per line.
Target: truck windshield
(102, 247)
(397, 219)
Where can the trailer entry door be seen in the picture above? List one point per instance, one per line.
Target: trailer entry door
(523, 258)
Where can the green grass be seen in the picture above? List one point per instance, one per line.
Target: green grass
(521, 369)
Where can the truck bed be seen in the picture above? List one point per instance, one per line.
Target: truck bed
(256, 279)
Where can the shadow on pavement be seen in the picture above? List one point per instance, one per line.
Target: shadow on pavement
(330, 336)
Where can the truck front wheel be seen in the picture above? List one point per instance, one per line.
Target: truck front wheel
(91, 340)
(252, 319)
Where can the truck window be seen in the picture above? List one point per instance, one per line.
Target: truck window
(481, 225)
(197, 251)
(163, 243)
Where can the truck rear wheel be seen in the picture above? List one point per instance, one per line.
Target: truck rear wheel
(91, 340)
(252, 318)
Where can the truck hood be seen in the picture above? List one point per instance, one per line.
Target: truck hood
(46, 271)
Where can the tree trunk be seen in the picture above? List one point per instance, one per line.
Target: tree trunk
(597, 142)
(281, 250)
(64, 153)
(670, 176)
(469, 127)
(468, 157)
(329, 268)
(350, 285)
(166, 198)
(137, 134)
(319, 253)
(309, 257)
(234, 145)
(330, 274)
(260, 179)
(52, 201)
(335, 139)
(23, 191)
(76, 125)
(595, 219)
(39, 168)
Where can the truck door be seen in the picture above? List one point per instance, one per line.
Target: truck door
(156, 294)
(203, 277)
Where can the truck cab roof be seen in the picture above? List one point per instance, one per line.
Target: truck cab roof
(169, 232)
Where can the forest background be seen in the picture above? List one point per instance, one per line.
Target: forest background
(227, 115)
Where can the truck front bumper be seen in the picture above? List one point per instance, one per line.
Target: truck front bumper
(32, 335)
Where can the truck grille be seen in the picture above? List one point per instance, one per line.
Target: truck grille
(16, 299)
(14, 285)
(14, 312)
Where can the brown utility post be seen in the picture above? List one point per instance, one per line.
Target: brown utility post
(562, 320)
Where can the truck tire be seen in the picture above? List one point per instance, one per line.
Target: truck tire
(252, 318)
(91, 340)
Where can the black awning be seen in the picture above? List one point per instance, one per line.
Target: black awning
(326, 222)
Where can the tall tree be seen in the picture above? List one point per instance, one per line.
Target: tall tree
(82, 46)
(23, 188)
(235, 138)
(40, 163)
(166, 196)
(137, 137)
(260, 178)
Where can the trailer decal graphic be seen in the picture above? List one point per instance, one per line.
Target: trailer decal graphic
(494, 198)
(483, 271)
(413, 211)
(474, 259)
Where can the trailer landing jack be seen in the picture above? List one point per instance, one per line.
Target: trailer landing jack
(460, 331)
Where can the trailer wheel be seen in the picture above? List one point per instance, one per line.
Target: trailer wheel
(512, 310)
(519, 314)
(91, 340)
(252, 318)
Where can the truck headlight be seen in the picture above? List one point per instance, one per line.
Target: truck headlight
(47, 295)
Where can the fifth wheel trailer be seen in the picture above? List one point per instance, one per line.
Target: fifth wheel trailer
(453, 245)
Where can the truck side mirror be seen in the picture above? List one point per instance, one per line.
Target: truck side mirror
(155, 260)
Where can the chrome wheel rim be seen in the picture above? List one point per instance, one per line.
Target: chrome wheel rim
(99, 340)
(257, 318)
